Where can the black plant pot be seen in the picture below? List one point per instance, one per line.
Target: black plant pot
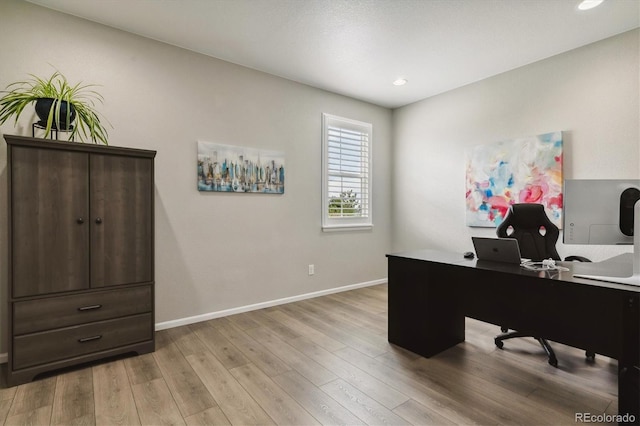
(43, 108)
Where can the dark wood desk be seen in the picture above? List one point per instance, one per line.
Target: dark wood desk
(431, 292)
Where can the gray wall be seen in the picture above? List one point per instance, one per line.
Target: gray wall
(216, 252)
(213, 251)
(591, 94)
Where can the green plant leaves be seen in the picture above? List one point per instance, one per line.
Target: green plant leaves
(87, 125)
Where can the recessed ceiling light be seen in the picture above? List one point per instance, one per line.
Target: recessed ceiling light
(400, 82)
(589, 4)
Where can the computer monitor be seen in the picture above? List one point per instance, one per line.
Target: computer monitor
(603, 211)
(599, 211)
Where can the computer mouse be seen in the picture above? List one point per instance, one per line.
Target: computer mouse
(468, 255)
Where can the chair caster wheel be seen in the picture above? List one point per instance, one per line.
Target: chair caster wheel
(591, 356)
(553, 362)
(498, 343)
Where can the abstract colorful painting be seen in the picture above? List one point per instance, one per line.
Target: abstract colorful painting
(524, 170)
(229, 168)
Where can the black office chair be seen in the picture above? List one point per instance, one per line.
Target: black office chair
(537, 237)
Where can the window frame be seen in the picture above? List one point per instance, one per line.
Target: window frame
(361, 222)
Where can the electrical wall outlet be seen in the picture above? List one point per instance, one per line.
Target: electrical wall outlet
(312, 270)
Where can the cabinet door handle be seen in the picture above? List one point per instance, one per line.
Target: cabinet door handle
(80, 221)
(89, 339)
(89, 308)
(98, 220)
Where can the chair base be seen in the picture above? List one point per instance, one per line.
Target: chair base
(543, 342)
(590, 356)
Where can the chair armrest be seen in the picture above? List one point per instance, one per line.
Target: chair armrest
(576, 259)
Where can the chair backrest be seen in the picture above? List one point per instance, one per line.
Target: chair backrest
(536, 234)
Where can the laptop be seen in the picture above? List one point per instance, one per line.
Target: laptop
(497, 249)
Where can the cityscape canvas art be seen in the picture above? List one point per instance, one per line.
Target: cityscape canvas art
(229, 168)
(523, 170)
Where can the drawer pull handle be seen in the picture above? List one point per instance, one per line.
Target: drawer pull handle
(89, 308)
(89, 339)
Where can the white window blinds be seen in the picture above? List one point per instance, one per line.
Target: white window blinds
(346, 173)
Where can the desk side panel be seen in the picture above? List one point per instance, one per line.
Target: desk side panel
(425, 316)
(629, 363)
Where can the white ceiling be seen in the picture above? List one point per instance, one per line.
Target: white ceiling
(359, 47)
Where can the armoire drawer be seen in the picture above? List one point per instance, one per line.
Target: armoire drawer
(55, 312)
(48, 346)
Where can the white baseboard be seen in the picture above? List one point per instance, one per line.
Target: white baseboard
(219, 314)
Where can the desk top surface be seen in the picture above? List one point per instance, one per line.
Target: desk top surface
(615, 267)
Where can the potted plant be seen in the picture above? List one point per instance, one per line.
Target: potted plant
(59, 105)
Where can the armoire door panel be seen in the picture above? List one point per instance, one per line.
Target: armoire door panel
(121, 224)
(49, 229)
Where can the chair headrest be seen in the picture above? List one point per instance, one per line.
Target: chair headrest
(526, 215)
(526, 220)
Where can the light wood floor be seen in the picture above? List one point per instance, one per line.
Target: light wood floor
(319, 361)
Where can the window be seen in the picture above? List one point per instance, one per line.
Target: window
(346, 168)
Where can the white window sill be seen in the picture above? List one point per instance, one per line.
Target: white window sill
(342, 228)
